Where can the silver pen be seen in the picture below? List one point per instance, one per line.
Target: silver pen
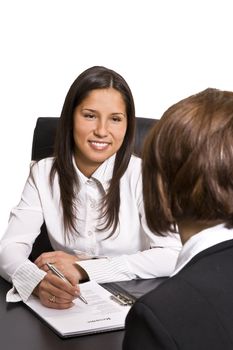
(60, 275)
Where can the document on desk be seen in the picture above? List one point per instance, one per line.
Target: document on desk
(101, 314)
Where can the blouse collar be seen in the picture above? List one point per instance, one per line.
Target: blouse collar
(102, 175)
(201, 241)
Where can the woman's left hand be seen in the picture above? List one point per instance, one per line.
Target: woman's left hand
(65, 262)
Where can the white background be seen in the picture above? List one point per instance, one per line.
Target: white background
(166, 50)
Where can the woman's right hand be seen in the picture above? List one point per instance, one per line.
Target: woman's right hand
(55, 293)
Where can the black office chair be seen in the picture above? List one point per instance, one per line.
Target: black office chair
(43, 146)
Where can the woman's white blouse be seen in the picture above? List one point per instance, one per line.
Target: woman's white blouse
(132, 252)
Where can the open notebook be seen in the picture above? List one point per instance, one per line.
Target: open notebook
(101, 314)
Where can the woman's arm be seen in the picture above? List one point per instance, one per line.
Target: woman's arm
(23, 228)
(15, 246)
(159, 261)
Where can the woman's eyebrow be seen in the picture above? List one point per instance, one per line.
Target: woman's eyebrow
(118, 113)
(89, 110)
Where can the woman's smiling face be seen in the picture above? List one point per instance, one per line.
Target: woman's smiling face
(100, 124)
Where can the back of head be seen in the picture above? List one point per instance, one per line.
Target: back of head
(188, 162)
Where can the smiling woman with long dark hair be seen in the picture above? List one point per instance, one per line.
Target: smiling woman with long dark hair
(90, 197)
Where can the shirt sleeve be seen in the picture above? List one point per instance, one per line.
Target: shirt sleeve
(24, 280)
(151, 263)
(15, 246)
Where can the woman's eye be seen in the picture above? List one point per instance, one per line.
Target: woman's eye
(116, 119)
(89, 116)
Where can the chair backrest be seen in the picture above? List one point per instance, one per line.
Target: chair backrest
(43, 146)
(45, 131)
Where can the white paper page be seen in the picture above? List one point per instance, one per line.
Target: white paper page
(101, 313)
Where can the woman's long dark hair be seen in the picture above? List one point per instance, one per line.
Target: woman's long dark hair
(96, 77)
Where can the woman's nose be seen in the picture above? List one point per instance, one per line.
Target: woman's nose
(101, 129)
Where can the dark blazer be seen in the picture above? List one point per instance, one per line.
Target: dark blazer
(192, 310)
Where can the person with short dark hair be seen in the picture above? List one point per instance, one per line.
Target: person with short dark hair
(90, 197)
(188, 187)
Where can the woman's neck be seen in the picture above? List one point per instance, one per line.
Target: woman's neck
(188, 228)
